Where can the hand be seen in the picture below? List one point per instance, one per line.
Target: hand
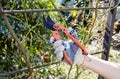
(72, 50)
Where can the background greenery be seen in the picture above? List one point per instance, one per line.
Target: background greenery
(32, 33)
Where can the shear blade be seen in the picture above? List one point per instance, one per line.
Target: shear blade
(48, 22)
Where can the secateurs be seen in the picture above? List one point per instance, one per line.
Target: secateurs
(55, 27)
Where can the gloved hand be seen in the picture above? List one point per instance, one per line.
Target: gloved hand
(72, 50)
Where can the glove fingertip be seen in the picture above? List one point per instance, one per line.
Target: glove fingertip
(59, 49)
(52, 40)
(73, 32)
(59, 56)
(70, 29)
(58, 43)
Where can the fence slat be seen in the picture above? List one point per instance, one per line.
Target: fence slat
(108, 34)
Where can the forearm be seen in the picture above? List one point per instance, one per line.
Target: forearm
(104, 68)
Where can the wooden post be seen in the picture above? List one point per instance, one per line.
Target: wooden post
(108, 33)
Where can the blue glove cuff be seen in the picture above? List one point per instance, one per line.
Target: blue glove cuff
(71, 49)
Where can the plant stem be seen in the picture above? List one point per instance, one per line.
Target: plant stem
(69, 72)
(23, 50)
(92, 25)
(77, 72)
(59, 13)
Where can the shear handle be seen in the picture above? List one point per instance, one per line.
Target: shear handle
(57, 37)
(65, 31)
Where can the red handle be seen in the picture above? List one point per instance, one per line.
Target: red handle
(75, 41)
(57, 37)
(60, 27)
(67, 58)
(65, 31)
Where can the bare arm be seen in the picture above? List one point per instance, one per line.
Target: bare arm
(107, 69)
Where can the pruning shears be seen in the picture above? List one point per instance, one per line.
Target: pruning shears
(55, 27)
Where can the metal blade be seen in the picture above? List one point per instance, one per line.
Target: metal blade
(48, 22)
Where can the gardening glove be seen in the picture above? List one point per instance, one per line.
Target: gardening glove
(72, 50)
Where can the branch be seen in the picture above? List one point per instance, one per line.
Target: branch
(97, 53)
(6, 74)
(23, 50)
(48, 10)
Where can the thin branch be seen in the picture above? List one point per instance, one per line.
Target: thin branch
(92, 24)
(6, 74)
(61, 16)
(23, 50)
(48, 10)
(96, 53)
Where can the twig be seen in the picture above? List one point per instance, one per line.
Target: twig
(96, 53)
(23, 50)
(48, 10)
(61, 16)
(6, 74)
(69, 72)
(93, 22)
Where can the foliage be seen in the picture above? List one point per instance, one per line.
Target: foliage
(32, 33)
(30, 30)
